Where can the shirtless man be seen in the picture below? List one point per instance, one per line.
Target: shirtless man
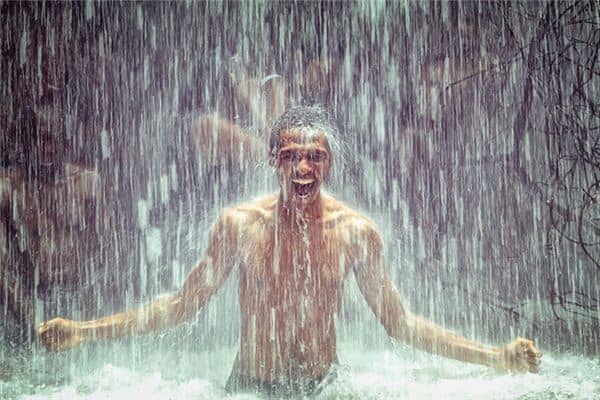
(50, 243)
(293, 250)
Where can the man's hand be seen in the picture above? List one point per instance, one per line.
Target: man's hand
(60, 334)
(520, 356)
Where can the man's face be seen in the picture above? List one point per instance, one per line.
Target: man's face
(303, 162)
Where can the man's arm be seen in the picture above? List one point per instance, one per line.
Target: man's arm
(384, 300)
(204, 281)
(218, 139)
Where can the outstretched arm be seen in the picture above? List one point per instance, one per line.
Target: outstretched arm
(384, 300)
(210, 274)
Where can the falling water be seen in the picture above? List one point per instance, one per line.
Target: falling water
(470, 135)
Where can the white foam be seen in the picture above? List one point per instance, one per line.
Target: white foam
(365, 374)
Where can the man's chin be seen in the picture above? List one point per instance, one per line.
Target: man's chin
(301, 200)
(304, 200)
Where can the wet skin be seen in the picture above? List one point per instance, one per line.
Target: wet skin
(294, 251)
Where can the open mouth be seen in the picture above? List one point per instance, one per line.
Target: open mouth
(304, 187)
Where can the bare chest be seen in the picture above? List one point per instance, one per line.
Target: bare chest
(289, 271)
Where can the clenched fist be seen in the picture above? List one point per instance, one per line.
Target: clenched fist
(521, 355)
(60, 334)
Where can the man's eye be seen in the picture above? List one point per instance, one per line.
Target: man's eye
(316, 157)
(285, 156)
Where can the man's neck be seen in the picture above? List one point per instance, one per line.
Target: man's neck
(292, 214)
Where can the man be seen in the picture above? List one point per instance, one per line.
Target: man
(54, 246)
(293, 250)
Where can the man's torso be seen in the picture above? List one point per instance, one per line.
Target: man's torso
(291, 282)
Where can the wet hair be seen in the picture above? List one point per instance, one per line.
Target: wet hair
(314, 116)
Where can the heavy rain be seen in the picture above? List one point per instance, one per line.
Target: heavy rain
(466, 135)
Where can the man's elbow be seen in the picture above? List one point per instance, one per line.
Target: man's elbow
(396, 324)
(182, 311)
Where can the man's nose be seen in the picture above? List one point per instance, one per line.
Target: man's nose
(303, 167)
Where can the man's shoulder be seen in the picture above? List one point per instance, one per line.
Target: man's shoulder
(250, 211)
(345, 217)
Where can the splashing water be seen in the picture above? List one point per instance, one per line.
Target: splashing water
(370, 373)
